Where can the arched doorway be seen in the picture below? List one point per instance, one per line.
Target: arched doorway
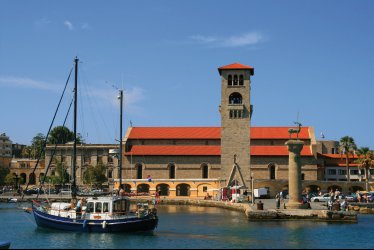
(312, 189)
(183, 190)
(163, 189)
(354, 189)
(333, 188)
(142, 188)
(32, 179)
(23, 178)
(127, 188)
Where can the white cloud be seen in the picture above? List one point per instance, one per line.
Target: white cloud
(247, 39)
(24, 82)
(85, 26)
(69, 25)
(41, 22)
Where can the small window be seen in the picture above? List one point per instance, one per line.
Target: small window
(331, 172)
(171, 171)
(105, 207)
(98, 207)
(236, 80)
(230, 80)
(241, 80)
(302, 177)
(90, 207)
(205, 189)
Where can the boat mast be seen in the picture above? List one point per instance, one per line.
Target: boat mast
(73, 185)
(120, 140)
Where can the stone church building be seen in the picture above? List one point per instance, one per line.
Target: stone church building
(196, 161)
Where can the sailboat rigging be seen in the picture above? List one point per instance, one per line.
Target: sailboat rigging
(95, 214)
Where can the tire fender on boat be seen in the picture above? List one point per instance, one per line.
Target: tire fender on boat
(84, 224)
(104, 224)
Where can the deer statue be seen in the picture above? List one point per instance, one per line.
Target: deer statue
(294, 130)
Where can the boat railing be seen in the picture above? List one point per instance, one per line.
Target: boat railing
(71, 213)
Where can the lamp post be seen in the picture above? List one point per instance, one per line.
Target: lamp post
(16, 178)
(252, 189)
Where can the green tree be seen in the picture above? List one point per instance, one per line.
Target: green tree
(95, 175)
(4, 171)
(62, 175)
(365, 161)
(26, 152)
(347, 146)
(37, 146)
(9, 179)
(62, 135)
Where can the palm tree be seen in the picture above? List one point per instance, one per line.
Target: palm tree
(366, 161)
(347, 145)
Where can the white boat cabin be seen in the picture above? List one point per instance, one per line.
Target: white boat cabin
(96, 208)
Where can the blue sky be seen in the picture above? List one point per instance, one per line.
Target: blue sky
(313, 60)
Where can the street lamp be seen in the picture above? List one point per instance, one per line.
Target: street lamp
(252, 188)
(16, 178)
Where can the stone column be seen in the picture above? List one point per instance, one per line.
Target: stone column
(294, 173)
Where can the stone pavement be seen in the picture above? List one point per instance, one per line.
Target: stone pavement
(270, 204)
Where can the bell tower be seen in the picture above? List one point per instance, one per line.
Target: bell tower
(236, 111)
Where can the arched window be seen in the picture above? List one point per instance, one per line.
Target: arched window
(272, 171)
(139, 171)
(241, 80)
(205, 171)
(236, 80)
(171, 171)
(235, 98)
(230, 80)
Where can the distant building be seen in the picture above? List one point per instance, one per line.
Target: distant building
(5, 146)
(17, 150)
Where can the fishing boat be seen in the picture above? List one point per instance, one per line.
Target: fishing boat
(94, 214)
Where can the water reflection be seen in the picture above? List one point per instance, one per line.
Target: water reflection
(194, 227)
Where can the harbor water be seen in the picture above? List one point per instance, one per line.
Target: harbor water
(192, 227)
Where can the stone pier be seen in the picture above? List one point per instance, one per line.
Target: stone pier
(294, 174)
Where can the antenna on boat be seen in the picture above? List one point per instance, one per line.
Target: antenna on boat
(73, 185)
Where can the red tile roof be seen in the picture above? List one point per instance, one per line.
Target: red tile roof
(193, 150)
(236, 66)
(350, 164)
(338, 156)
(209, 133)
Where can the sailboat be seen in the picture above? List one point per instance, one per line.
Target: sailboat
(99, 214)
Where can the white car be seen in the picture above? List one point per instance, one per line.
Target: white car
(324, 197)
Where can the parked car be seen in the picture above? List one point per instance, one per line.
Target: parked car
(324, 197)
(65, 192)
(51, 191)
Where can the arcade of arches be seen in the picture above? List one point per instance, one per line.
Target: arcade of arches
(172, 188)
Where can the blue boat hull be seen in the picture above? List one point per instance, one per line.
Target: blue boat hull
(4, 244)
(146, 223)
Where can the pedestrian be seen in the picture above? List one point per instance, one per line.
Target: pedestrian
(277, 201)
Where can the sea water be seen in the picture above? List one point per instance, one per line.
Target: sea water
(192, 227)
